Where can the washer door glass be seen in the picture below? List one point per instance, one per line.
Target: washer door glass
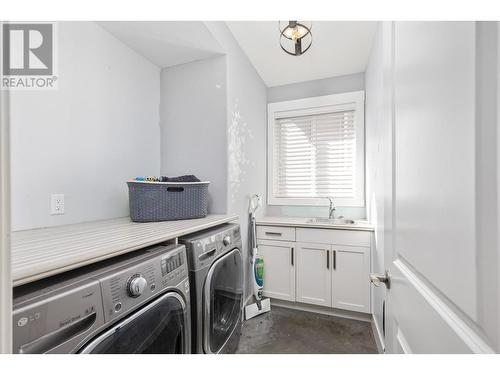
(223, 298)
(161, 327)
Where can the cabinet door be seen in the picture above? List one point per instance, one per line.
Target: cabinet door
(351, 278)
(313, 274)
(279, 269)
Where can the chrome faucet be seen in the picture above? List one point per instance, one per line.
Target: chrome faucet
(331, 209)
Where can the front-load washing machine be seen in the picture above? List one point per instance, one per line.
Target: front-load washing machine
(216, 277)
(134, 303)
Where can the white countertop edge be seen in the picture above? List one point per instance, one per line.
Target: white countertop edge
(283, 221)
(22, 276)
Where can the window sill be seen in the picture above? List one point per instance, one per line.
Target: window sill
(315, 202)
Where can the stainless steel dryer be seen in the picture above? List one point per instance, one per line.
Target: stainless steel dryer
(216, 277)
(135, 303)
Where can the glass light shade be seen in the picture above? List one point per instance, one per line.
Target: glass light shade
(296, 32)
(295, 37)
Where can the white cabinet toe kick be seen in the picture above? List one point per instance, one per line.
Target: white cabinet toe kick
(317, 267)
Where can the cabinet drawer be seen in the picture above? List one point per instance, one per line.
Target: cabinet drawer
(334, 236)
(265, 232)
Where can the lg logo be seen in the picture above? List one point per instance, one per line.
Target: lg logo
(28, 49)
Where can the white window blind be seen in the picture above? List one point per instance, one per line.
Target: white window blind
(315, 155)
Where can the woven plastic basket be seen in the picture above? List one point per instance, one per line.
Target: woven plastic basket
(161, 201)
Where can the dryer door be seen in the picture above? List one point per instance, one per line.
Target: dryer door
(160, 327)
(223, 298)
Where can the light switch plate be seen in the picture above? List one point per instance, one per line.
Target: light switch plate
(57, 204)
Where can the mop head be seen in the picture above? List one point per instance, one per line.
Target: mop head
(254, 309)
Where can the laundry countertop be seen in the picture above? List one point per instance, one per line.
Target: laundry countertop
(303, 222)
(39, 253)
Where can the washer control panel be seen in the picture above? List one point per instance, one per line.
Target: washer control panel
(134, 284)
(204, 247)
(204, 251)
(173, 267)
(231, 238)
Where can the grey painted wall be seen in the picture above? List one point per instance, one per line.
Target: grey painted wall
(5, 225)
(487, 94)
(193, 115)
(378, 157)
(327, 86)
(246, 132)
(99, 129)
(213, 121)
(498, 173)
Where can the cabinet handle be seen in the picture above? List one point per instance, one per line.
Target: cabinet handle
(328, 259)
(334, 259)
(291, 252)
(273, 234)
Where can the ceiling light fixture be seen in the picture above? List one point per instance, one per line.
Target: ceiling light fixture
(295, 37)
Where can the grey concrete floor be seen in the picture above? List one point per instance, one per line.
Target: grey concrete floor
(287, 331)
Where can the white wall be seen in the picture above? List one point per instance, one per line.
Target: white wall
(194, 125)
(100, 128)
(327, 86)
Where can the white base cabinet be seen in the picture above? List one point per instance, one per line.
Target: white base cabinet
(351, 278)
(332, 272)
(279, 269)
(313, 275)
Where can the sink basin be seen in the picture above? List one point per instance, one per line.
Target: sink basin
(339, 221)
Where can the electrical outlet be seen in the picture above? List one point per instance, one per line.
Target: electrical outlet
(57, 204)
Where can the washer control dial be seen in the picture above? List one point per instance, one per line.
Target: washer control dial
(136, 285)
(226, 240)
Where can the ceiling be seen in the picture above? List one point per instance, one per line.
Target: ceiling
(338, 48)
(166, 43)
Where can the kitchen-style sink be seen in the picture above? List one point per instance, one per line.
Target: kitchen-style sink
(338, 221)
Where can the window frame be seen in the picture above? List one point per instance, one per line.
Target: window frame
(317, 105)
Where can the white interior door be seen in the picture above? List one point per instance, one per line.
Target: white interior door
(435, 303)
(313, 274)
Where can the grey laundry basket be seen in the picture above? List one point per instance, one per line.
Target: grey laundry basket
(161, 201)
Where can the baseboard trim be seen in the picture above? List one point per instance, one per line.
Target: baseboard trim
(377, 334)
(322, 310)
